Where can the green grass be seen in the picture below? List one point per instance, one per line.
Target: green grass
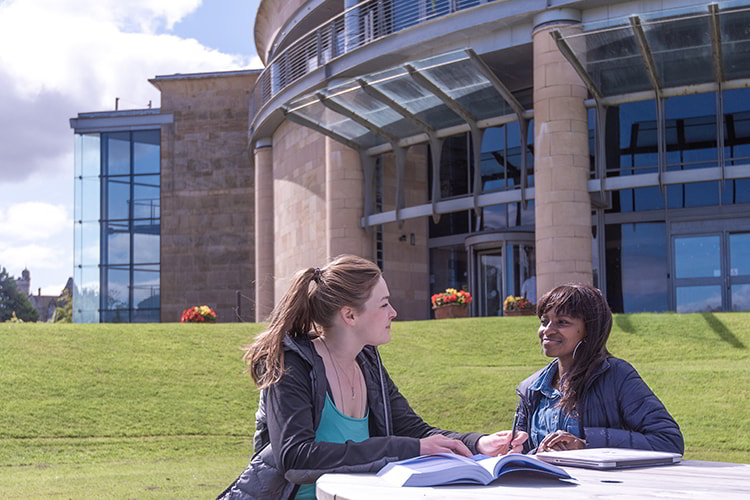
(165, 411)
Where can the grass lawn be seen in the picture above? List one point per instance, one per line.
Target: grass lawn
(163, 411)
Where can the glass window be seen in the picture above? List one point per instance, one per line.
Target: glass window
(145, 315)
(87, 199)
(691, 131)
(118, 198)
(633, 126)
(454, 166)
(145, 246)
(117, 224)
(737, 142)
(520, 265)
(146, 287)
(691, 143)
(118, 153)
(146, 196)
(638, 137)
(697, 257)
(118, 244)
(591, 117)
(117, 295)
(737, 126)
(636, 259)
(448, 269)
(692, 299)
(740, 297)
(739, 254)
(491, 293)
(88, 155)
(146, 152)
(87, 244)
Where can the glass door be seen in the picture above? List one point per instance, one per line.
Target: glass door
(712, 272)
(490, 274)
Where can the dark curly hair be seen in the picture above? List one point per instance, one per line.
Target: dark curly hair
(585, 302)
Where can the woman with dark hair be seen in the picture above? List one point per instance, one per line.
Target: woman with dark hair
(586, 398)
(327, 403)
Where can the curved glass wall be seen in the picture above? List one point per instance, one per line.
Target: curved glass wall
(117, 227)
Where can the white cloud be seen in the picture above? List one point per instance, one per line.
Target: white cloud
(33, 221)
(59, 58)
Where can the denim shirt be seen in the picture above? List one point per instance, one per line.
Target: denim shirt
(548, 417)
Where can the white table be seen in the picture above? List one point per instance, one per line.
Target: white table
(689, 479)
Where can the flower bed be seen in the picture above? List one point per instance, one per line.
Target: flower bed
(198, 314)
(518, 306)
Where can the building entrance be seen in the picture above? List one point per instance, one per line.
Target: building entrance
(711, 272)
(501, 264)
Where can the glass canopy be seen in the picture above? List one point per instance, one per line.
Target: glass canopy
(654, 54)
(419, 97)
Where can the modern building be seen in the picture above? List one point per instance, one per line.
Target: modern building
(475, 144)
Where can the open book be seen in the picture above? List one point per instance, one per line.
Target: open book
(448, 468)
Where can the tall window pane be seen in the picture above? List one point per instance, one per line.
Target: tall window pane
(637, 267)
(737, 142)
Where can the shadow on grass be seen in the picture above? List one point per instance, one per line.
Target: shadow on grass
(722, 331)
(623, 323)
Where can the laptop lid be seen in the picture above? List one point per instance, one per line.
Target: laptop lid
(609, 458)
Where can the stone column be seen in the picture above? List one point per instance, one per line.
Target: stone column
(561, 161)
(264, 230)
(344, 202)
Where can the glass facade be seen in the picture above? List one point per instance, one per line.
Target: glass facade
(117, 227)
(652, 260)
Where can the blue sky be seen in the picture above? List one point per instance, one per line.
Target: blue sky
(59, 58)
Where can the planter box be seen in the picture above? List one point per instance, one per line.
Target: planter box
(451, 311)
(522, 312)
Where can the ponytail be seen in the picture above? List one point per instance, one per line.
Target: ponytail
(311, 303)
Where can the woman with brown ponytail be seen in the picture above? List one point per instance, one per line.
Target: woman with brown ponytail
(586, 398)
(327, 403)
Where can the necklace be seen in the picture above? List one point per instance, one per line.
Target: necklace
(336, 370)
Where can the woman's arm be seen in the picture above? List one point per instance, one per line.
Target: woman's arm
(645, 422)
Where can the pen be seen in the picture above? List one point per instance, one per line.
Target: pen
(513, 431)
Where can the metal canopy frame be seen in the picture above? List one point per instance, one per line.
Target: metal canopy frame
(635, 34)
(422, 112)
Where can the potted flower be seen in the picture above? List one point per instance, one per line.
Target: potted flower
(518, 306)
(451, 303)
(198, 314)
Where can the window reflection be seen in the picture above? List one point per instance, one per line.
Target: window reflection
(130, 229)
(739, 254)
(697, 257)
(736, 143)
(692, 299)
(740, 297)
(636, 256)
(635, 126)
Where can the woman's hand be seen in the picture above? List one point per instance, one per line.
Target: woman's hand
(499, 443)
(561, 441)
(438, 443)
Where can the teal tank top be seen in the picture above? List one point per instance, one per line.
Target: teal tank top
(335, 427)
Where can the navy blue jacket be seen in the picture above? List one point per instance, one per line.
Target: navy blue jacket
(286, 453)
(617, 410)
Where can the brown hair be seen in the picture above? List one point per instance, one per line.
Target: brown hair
(585, 302)
(312, 301)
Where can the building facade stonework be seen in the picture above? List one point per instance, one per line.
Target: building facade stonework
(207, 189)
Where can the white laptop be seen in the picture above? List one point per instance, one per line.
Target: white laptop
(609, 458)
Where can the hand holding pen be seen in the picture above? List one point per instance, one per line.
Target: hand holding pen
(503, 442)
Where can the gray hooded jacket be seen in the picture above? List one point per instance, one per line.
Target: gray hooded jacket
(286, 453)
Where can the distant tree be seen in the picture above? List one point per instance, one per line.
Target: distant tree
(11, 300)
(64, 309)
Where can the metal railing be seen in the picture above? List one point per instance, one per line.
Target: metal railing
(356, 27)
